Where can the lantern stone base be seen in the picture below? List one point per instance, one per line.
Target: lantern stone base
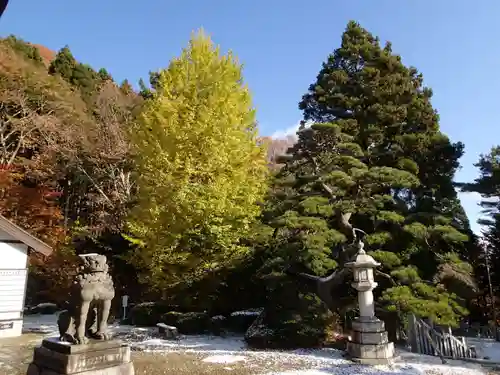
(369, 344)
(95, 358)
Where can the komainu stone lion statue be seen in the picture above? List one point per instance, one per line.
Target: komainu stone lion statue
(89, 303)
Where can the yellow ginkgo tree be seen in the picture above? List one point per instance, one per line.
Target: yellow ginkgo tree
(200, 168)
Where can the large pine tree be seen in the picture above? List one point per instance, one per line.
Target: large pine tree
(374, 159)
(199, 166)
(488, 186)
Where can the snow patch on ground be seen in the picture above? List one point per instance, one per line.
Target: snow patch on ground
(380, 370)
(194, 344)
(224, 359)
(301, 372)
(45, 324)
(232, 349)
(486, 348)
(252, 312)
(218, 317)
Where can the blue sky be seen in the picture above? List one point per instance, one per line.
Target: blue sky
(282, 44)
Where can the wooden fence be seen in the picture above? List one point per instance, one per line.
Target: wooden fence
(423, 338)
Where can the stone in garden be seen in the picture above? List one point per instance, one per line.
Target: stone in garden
(369, 343)
(167, 332)
(84, 346)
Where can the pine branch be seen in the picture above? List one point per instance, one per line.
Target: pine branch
(325, 285)
(343, 217)
(387, 276)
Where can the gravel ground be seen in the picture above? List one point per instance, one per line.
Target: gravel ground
(218, 356)
(17, 353)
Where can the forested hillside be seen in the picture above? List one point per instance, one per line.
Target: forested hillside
(195, 209)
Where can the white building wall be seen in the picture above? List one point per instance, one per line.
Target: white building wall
(13, 256)
(13, 276)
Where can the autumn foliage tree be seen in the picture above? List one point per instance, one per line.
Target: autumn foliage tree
(101, 170)
(41, 119)
(200, 171)
(33, 206)
(46, 133)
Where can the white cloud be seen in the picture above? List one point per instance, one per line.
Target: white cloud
(283, 133)
(291, 130)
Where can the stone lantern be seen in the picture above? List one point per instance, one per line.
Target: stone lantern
(369, 342)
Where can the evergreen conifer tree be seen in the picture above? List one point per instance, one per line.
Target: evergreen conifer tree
(374, 159)
(104, 75)
(488, 186)
(82, 76)
(63, 64)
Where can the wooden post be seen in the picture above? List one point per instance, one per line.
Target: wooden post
(412, 334)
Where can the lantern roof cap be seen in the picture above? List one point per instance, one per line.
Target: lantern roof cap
(363, 260)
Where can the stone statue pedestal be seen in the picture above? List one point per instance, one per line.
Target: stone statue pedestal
(96, 358)
(369, 344)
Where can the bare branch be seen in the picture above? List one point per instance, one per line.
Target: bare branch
(98, 188)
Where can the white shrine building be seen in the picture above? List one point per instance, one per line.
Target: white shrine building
(15, 244)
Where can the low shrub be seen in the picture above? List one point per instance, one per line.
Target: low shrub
(188, 323)
(147, 314)
(218, 325)
(291, 334)
(292, 319)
